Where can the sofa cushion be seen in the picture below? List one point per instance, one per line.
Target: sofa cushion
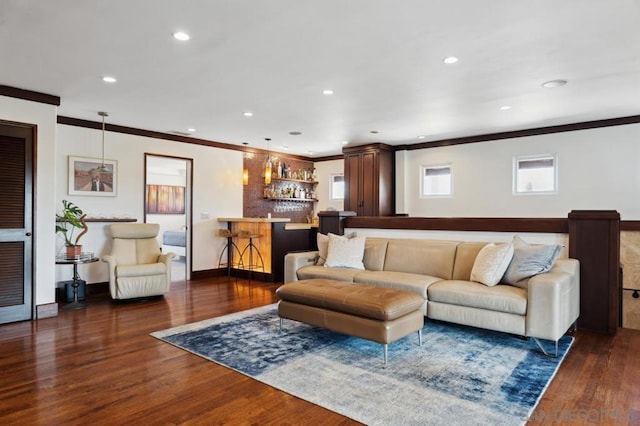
(491, 263)
(415, 283)
(141, 270)
(426, 257)
(500, 298)
(466, 254)
(345, 252)
(375, 250)
(529, 260)
(337, 274)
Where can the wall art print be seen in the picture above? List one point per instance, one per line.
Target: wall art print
(165, 199)
(93, 177)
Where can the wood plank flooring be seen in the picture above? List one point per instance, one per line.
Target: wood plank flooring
(100, 366)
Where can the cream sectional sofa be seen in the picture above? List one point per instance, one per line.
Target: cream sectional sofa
(544, 307)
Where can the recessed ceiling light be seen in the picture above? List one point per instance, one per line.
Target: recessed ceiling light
(327, 92)
(182, 36)
(295, 133)
(108, 79)
(375, 132)
(247, 114)
(450, 60)
(345, 142)
(505, 107)
(285, 147)
(421, 137)
(309, 152)
(554, 83)
(191, 130)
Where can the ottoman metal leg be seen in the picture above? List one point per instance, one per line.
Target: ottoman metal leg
(386, 349)
(420, 337)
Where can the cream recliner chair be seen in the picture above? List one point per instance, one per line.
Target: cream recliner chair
(137, 268)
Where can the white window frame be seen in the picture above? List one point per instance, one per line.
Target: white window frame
(423, 171)
(541, 157)
(332, 182)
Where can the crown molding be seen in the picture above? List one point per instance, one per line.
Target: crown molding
(29, 95)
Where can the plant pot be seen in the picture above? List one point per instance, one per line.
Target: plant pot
(74, 251)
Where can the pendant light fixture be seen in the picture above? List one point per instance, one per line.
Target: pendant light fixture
(268, 165)
(102, 168)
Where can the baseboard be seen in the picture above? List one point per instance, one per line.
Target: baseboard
(47, 310)
(240, 273)
(98, 288)
(209, 273)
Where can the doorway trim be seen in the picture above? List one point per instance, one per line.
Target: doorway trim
(189, 210)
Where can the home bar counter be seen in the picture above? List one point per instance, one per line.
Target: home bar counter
(278, 236)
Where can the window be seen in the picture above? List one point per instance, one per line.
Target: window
(337, 187)
(437, 181)
(535, 174)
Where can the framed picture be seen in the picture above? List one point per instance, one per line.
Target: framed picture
(90, 176)
(165, 199)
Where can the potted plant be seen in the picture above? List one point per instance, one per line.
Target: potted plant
(71, 218)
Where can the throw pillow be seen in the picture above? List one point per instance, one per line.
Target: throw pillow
(491, 263)
(345, 252)
(529, 260)
(323, 245)
(323, 248)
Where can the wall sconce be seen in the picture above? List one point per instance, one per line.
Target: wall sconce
(245, 170)
(267, 166)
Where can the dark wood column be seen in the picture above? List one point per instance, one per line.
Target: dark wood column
(333, 221)
(594, 239)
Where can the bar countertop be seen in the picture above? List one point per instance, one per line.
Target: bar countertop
(254, 219)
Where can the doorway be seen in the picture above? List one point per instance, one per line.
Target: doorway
(168, 202)
(16, 221)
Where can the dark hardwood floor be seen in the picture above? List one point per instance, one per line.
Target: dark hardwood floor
(100, 366)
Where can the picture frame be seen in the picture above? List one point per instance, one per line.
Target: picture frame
(87, 176)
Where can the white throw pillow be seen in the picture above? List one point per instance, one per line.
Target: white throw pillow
(529, 260)
(323, 248)
(323, 245)
(491, 263)
(345, 252)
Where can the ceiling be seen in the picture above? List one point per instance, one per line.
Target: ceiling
(382, 59)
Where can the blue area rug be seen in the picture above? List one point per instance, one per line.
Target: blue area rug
(460, 375)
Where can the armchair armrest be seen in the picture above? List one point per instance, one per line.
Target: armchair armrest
(166, 258)
(554, 300)
(295, 261)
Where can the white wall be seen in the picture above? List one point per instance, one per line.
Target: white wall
(44, 116)
(217, 190)
(598, 169)
(324, 170)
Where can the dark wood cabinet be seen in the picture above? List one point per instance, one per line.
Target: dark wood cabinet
(594, 239)
(369, 174)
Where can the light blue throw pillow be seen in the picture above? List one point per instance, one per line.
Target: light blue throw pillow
(529, 260)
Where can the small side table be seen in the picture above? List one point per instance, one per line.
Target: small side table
(75, 261)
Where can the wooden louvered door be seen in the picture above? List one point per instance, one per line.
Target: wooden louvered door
(16, 221)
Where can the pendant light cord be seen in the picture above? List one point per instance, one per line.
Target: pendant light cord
(103, 115)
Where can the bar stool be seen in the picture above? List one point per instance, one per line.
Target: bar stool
(231, 248)
(252, 248)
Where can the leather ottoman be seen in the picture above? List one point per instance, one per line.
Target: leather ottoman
(379, 314)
